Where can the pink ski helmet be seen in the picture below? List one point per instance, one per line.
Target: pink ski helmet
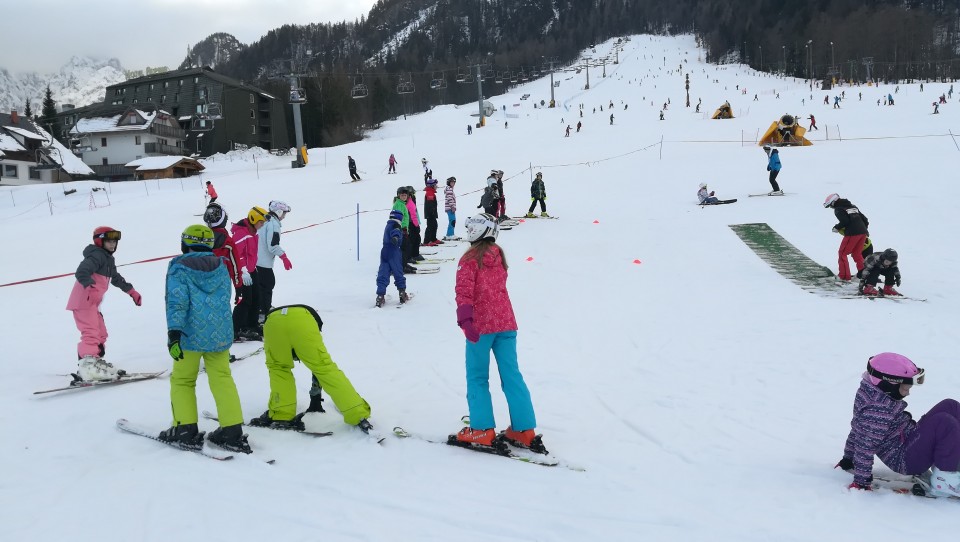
(831, 199)
(893, 368)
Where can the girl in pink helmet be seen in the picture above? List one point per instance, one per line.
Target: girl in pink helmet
(882, 427)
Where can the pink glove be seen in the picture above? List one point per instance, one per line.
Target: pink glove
(137, 300)
(465, 321)
(286, 262)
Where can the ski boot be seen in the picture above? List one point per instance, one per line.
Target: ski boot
(944, 483)
(404, 297)
(92, 368)
(231, 438)
(477, 437)
(316, 397)
(296, 424)
(525, 439)
(888, 290)
(530, 215)
(380, 301)
(185, 436)
(365, 426)
(544, 214)
(250, 335)
(408, 269)
(869, 290)
(775, 193)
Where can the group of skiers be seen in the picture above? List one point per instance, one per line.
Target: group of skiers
(853, 225)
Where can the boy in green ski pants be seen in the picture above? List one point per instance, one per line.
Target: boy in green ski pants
(293, 332)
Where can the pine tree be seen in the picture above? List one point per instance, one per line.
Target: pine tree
(48, 116)
(27, 111)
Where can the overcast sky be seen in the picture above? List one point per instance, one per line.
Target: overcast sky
(145, 32)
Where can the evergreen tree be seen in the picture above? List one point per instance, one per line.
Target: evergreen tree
(27, 111)
(48, 116)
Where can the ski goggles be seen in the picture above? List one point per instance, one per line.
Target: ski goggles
(915, 379)
(113, 235)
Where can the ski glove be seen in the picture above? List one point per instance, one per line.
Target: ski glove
(896, 279)
(286, 262)
(845, 464)
(173, 344)
(465, 321)
(137, 299)
(245, 278)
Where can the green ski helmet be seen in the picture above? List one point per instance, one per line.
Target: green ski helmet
(198, 237)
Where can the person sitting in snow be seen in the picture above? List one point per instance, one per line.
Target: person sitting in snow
(881, 427)
(706, 198)
(875, 265)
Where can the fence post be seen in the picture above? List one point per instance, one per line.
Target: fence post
(661, 146)
(358, 231)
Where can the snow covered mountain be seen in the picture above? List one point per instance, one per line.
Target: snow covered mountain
(81, 81)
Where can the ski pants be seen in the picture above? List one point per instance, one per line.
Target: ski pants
(430, 234)
(390, 264)
(936, 441)
(451, 222)
(294, 330)
(93, 332)
(353, 175)
(183, 388)
(501, 207)
(393, 168)
(852, 245)
(533, 204)
(504, 347)
(414, 240)
(773, 179)
(265, 283)
(245, 312)
(874, 277)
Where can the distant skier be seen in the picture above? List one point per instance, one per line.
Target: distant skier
(391, 260)
(854, 225)
(469, 129)
(450, 207)
(579, 125)
(813, 123)
(881, 427)
(611, 118)
(353, 168)
(884, 263)
(211, 192)
(936, 108)
(773, 166)
(95, 274)
(392, 164)
(567, 133)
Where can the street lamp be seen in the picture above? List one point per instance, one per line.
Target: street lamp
(761, 56)
(810, 69)
(784, 48)
(833, 60)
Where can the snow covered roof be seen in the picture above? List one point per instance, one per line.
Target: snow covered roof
(70, 162)
(151, 163)
(9, 143)
(25, 133)
(109, 123)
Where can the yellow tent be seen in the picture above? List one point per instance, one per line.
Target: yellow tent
(723, 112)
(786, 131)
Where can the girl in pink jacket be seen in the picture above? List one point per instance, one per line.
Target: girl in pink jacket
(94, 274)
(486, 316)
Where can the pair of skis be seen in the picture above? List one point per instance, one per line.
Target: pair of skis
(80, 384)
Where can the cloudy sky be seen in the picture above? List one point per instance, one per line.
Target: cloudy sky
(146, 32)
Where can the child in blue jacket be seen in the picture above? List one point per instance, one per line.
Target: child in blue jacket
(391, 260)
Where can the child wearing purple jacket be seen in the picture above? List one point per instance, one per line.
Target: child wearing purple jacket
(882, 427)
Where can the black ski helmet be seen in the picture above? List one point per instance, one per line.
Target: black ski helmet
(889, 255)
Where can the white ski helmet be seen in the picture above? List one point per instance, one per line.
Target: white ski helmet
(831, 199)
(703, 185)
(277, 207)
(482, 226)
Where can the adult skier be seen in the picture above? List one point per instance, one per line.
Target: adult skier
(854, 225)
(352, 165)
(773, 166)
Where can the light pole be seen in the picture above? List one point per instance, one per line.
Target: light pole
(810, 70)
(784, 49)
(833, 60)
(761, 56)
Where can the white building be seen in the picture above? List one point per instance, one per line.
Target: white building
(29, 155)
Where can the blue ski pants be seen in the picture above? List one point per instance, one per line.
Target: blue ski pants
(504, 347)
(390, 264)
(451, 222)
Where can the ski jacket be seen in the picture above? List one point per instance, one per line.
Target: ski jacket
(489, 197)
(245, 245)
(393, 161)
(850, 218)
(352, 164)
(392, 239)
(268, 244)
(485, 288)
(430, 202)
(500, 189)
(198, 302)
(880, 427)
(94, 275)
(224, 247)
(211, 191)
(412, 210)
(399, 205)
(449, 199)
(702, 195)
(774, 162)
(538, 190)
(874, 264)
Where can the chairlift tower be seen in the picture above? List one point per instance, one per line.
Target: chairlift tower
(868, 63)
(297, 97)
(553, 101)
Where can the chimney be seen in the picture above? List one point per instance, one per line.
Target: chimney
(14, 118)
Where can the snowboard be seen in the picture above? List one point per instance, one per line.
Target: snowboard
(721, 202)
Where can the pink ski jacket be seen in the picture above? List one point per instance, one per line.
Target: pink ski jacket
(486, 289)
(94, 275)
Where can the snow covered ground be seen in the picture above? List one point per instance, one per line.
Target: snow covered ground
(707, 397)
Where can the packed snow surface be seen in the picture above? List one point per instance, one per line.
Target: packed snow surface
(706, 397)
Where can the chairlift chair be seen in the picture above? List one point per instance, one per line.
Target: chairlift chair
(462, 75)
(213, 111)
(405, 87)
(297, 96)
(513, 77)
(201, 122)
(489, 74)
(534, 73)
(468, 78)
(499, 78)
(359, 89)
(438, 81)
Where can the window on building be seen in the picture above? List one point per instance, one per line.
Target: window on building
(103, 142)
(199, 145)
(163, 98)
(136, 101)
(151, 86)
(180, 83)
(252, 99)
(136, 140)
(253, 129)
(34, 173)
(176, 97)
(104, 161)
(199, 108)
(166, 84)
(10, 170)
(196, 80)
(203, 93)
(252, 114)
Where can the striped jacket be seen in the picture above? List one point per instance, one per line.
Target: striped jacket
(880, 427)
(449, 199)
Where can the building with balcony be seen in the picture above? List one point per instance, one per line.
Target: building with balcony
(29, 155)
